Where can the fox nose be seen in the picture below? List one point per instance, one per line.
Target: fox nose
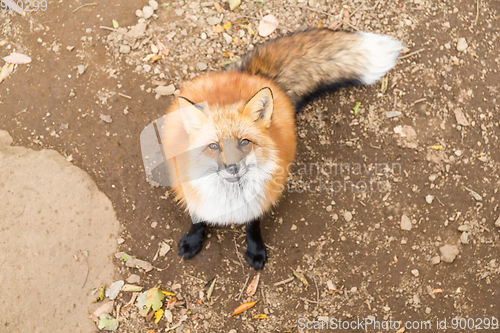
(232, 169)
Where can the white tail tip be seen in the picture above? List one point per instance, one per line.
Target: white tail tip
(381, 53)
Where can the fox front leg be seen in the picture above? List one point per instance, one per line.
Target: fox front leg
(255, 254)
(191, 242)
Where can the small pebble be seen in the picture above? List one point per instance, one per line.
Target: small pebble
(428, 310)
(106, 118)
(133, 278)
(294, 227)
(227, 38)
(497, 223)
(139, 13)
(80, 69)
(461, 45)
(348, 216)
(120, 240)
(449, 252)
(154, 224)
(55, 48)
(415, 272)
(147, 11)
(233, 331)
(435, 260)
(153, 4)
(201, 66)
(429, 198)
(405, 222)
(125, 48)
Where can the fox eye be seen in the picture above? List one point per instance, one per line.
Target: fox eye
(213, 146)
(244, 142)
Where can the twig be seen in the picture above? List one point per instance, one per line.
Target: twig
(325, 13)
(290, 279)
(88, 268)
(308, 300)
(115, 30)
(123, 95)
(359, 7)
(194, 277)
(477, 12)
(419, 100)
(410, 54)
(243, 288)
(87, 4)
(238, 254)
(317, 292)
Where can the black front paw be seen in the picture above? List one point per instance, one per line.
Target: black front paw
(256, 257)
(191, 242)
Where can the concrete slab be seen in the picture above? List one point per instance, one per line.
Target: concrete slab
(50, 213)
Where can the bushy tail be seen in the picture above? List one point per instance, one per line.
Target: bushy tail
(304, 62)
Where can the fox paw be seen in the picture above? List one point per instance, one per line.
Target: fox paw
(189, 246)
(256, 258)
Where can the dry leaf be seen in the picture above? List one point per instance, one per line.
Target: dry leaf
(159, 83)
(331, 286)
(217, 28)
(218, 7)
(233, 4)
(168, 293)
(211, 286)
(267, 25)
(158, 315)
(154, 299)
(107, 322)
(17, 58)
(131, 287)
(301, 277)
(461, 120)
(113, 290)
(227, 25)
(168, 316)
(138, 263)
(252, 287)
(171, 303)
(6, 70)
(259, 316)
(105, 308)
(438, 290)
(101, 295)
(243, 307)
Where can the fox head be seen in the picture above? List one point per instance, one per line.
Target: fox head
(228, 157)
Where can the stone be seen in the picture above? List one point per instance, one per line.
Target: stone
(213, 20)
(435, 260)
(348, 216)
(497, 223)
(125, 48)
(137, 30)
(133, 278)
(405, 222)
(153, 4)
(415, 272)
(148, 11)
(201, 66)
(449, 252)
(461, 45)
(165, 90)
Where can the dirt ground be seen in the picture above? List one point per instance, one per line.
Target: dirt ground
(419, 245)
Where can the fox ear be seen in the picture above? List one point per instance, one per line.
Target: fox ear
(191, 114)
(260, 107)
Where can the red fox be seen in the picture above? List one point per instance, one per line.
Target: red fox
(231, 135)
